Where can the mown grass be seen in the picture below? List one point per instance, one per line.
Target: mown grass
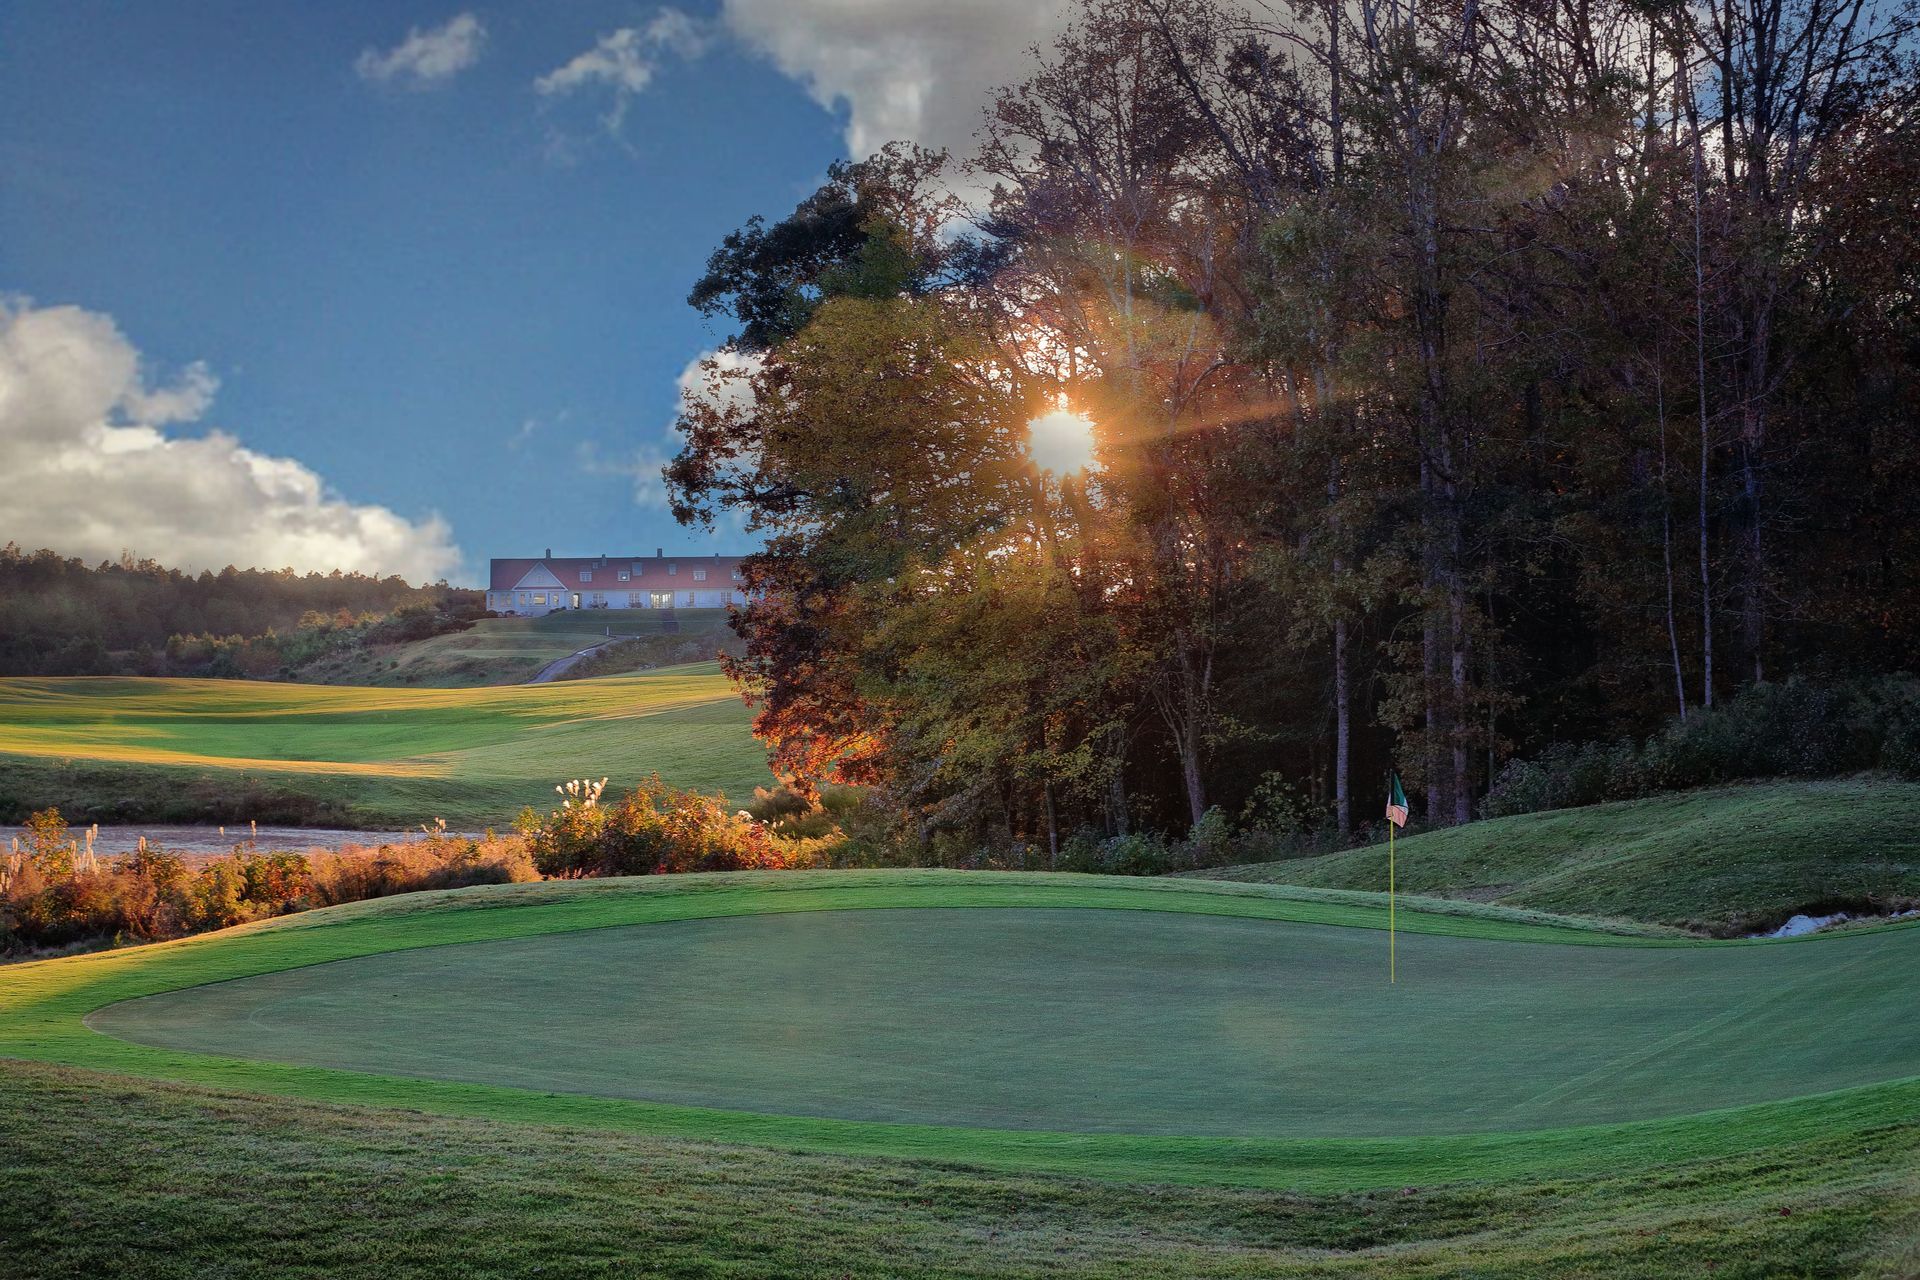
(42, 1005)
(510, 650)
(103, 748)
(1726, 860)
(244, 1169)
(110, 1176)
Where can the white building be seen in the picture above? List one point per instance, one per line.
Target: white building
(659, 581)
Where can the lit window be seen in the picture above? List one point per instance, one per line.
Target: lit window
(737, 575)
(699, 575)
(624, 575)
(539, 597)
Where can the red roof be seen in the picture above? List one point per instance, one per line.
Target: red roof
(644, 573)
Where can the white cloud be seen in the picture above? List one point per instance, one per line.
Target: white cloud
(914, 70)
(90, 471)
(426, 58)
(711, 375)
(641, 466)
(719, 376)
(625, 62)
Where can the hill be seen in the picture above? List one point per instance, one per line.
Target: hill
(1726, 860)
(106, 749)
(513, 650)
(58, 616)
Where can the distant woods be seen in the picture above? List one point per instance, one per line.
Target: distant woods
(1467, 379)
(133, 617)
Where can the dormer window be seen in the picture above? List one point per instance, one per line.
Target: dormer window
(673, 568)
(586, 575)
(699, 575)
(624, 575)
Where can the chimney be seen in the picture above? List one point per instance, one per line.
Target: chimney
(549, 554)
(659, 553)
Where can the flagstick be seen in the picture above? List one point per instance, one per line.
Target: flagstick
(1393, 955)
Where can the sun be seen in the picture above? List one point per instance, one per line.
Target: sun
(1061, 441)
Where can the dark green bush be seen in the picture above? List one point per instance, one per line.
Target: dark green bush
(1797, 728)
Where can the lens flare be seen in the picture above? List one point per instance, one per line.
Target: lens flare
(1061, 441)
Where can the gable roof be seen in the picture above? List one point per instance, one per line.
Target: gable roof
(644, 573)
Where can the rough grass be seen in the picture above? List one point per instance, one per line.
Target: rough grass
(106, 1175)
(103, 748)
(512, 650)
(1726, 860)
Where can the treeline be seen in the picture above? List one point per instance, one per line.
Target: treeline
(1465, 380)
(59, 616)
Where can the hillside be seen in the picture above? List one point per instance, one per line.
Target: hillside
(107, 749)
(1727, 860)
(513, 650)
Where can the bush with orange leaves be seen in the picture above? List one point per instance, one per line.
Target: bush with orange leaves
(49, 897)
(654, 830)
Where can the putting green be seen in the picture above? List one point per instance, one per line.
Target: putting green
(1087, 1021)
(1086, 1024)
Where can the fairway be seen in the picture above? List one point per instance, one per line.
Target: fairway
(394, 755)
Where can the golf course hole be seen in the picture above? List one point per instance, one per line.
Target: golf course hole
(1086, 1020)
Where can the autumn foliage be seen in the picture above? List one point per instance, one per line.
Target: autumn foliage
(653, 830)
(53, 895)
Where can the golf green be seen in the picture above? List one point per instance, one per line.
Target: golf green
(1085, 1020)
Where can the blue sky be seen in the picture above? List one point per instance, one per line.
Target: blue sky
(406, 267)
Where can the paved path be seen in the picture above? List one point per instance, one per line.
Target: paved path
(554, 670)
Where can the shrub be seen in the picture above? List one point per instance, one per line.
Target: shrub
(654, 830)
(1797, 728)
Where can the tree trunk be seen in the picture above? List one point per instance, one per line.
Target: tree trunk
(1666, 546)
(1438, 803)
(1342, 731)
(1700, 375)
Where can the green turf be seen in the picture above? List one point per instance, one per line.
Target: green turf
(381, 756)
(110, 1176)
(1087, 1021)
(42, 1005)
(512, 650)
(1727, 860)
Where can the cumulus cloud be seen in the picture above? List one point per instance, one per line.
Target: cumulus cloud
(426, 58)
(624, 63)
(91, 471)
(914, 70)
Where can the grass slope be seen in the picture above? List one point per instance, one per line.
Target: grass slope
(110, 1176)
(1727, 860)
(106, 748)
(43, 1003)
(512, 650)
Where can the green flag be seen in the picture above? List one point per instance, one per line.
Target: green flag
(1396, 801)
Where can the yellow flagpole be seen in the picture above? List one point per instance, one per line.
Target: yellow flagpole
(1393, 955)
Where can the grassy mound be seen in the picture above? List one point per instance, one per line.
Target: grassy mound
(513, 650)
(43, 1006)
(167, 1163)
(106, 749)
(1726, 861)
